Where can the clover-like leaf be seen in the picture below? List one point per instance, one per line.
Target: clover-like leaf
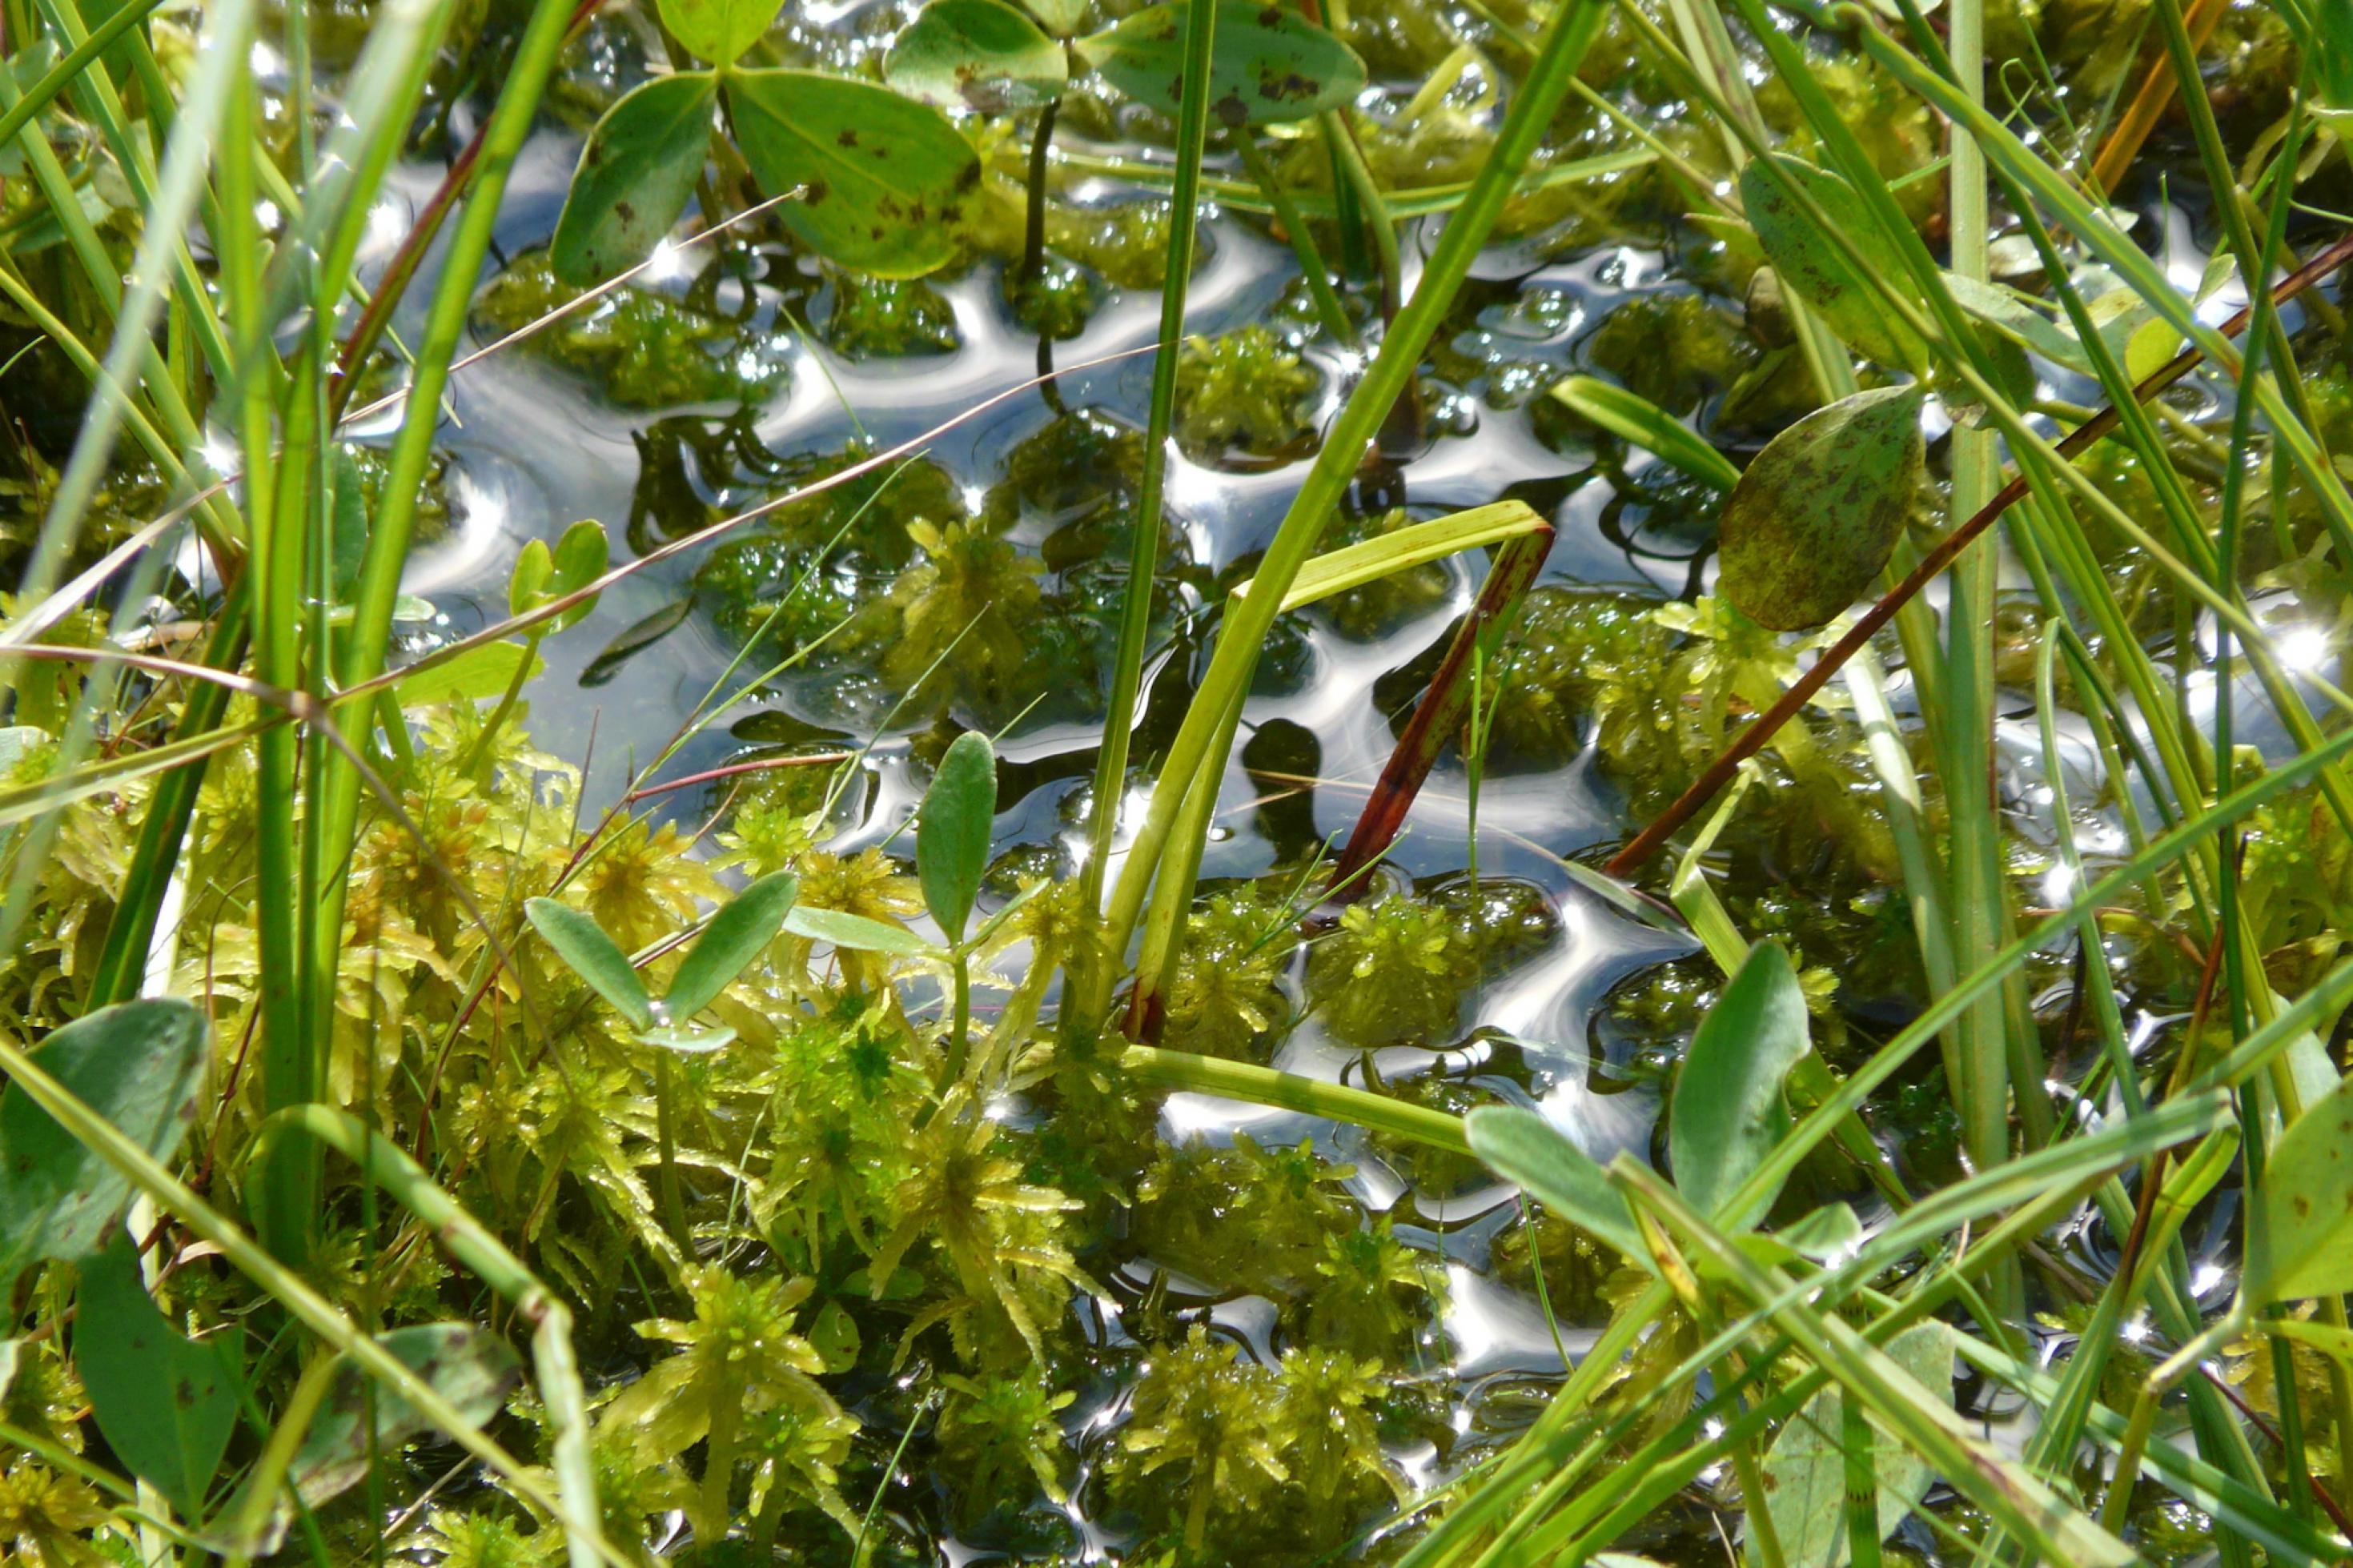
(718, 31)
(1267, 65)
(884, 179)
(858, 933)
(981, 55)
(1817, 514)
(634, 177)
(541, 575)
(951, 832)
(1805, 1469)
(594, 956)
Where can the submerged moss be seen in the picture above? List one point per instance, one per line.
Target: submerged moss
(1394, 972)
(1243, 394)
(640, 348)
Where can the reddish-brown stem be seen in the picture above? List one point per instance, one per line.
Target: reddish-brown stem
(1720, 773)
(1440, 714)
(763, 766)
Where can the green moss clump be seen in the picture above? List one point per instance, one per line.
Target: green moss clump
(1582, 662)
(1383, 606)
(1243, 393)
(640, 348)
(1394, 972)
(1244, 1217)
(1673, 349)
(1125, 242)
(888, 318)
(1227, 993)
(1002, 1440)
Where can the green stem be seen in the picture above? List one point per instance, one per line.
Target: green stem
(1377, 219)
(1328, 307)
(1566, 37)
(1033, 236)
(478, 759)
(1289, 1091)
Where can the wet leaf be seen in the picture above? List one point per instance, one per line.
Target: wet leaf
(1644, 424)
(744, 925)
(541, 575)
(1727, 1113)
(1267, 65)
(167, 1404)
(981, 55)
(137, 1064)
(1060, 17)
(885, 181)
(951, 832)
(1805, 1470)
(718, 31)
(834, 1336)
(636, 639)
(1522, 1146)
(476, 675)
(591, 954)
(858, 933)
(2303, 1245)
(1815, 515)
(634, 177)
(1810, 266)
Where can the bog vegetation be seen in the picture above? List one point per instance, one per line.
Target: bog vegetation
(1639, 847)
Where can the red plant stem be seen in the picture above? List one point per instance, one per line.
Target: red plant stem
(763, 766)
(1439, 715)
(1720, 773)
(370, 328)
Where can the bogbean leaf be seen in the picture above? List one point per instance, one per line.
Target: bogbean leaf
(474, 676)
(951, 832)
(1636, 419)
(1805, 1470)
(718, 31)
(470, 1368)
(1727, 1113)
(1812, 267)
(541, 575)
(1817, 514)
(634, 177)
(1267, 66)
(856, 932)
(166, 1403)
(594, 956)
(981, 55)
(1060, 17)
(2303, 1246)
(1522, 1147)
(745, 924)
(885, 181)
(137, 1064)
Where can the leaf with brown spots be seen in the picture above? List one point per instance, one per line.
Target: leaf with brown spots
(904, 157)
(1814, 518)
(2300, 1233)
(166, 1403)
(635, 176)
(139, 1064)
(1812, 265)
(1267, 65)
(981, 55)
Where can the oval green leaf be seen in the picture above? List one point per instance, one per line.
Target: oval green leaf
(1525, 1148)
(542, 574)
(1060, 17)
(748, 922)
(166, 1403)
(1817, 271)
(1816, 515)
(139, 1064)
(475, 676)
(1727, 1114)
(1267, 65)
(952, 829)
(2303, 1246)
(718, 31)
(981, 55)
(885, 181)
(634, 177)
(1805, 1469)
(858, 933)
(591, 954)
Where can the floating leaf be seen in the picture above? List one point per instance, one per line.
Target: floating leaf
(1812, 267)
(2304, 1246)
(980, 55)
(634, 177)
(1814, 518)
(166, 1403)
(591, 954)
(541, 575)
(745, 924)
(1524, 1147)
(1727, 1114)
(474, 676)
(1805, 1470)
(718, 31)
(1267, 65)
(884, 179)
(137, 1064)
(1638, 420)
(857, 933)
(952, 829)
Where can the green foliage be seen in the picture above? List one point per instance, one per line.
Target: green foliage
(718, 31)
(642, 348)
(953, 829)
(636, 173)
(981, 55)
(1727, 1113)
(1241, 393)
(1269, 65)
(167, 1404)
(1394, 972)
